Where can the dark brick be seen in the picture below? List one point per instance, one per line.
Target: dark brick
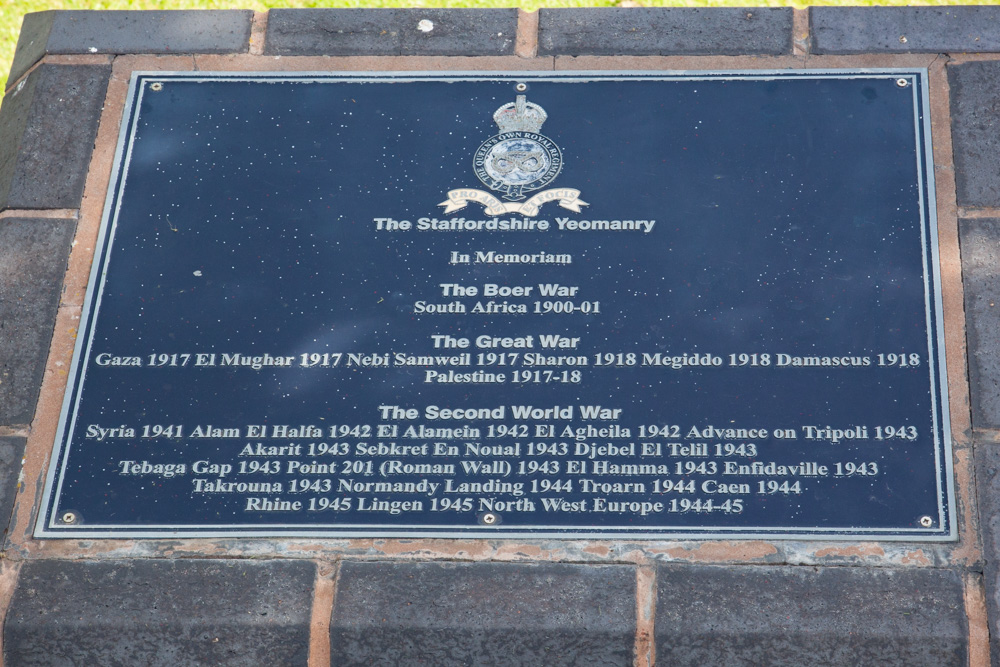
(988, 497)
(975, 122)
(483, 614)
(33, 255)
(35, 29)
(170, 613)
(104, 31)
(47, 131)
(792, 616)
(11, 451)
(925, 29)
(613, 31)
(369, 32)
(980, 241)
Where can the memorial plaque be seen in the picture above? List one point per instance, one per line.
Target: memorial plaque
(641, 305)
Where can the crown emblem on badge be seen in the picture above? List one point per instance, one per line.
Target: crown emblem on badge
(520, 116)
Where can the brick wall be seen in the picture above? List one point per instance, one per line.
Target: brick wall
(458, 602)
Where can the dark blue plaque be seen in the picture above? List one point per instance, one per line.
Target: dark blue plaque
(638, 305)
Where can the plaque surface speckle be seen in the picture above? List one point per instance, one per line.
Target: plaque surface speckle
(513, 305)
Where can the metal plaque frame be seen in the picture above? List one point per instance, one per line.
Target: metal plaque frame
(57, 519)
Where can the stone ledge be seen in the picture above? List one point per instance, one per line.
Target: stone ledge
(785, 616)
(33, 256)
(48, 125)
(156, 31)
(170, 613)
(613, 31)
(394, 32)
(975, 116)
(484, 614)
(980, 241)
(845, 30)
(470, 32)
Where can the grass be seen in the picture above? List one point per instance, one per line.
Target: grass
(12, 11)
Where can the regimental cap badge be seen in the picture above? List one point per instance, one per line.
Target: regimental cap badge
(520, 116)
(518, 160)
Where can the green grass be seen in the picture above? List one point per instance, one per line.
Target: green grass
(12, 11)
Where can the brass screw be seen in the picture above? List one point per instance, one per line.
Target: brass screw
(69, 517)
(156, 86)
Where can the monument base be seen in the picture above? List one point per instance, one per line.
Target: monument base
(482, 600)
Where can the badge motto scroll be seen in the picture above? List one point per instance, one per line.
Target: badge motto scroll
(517, 160)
